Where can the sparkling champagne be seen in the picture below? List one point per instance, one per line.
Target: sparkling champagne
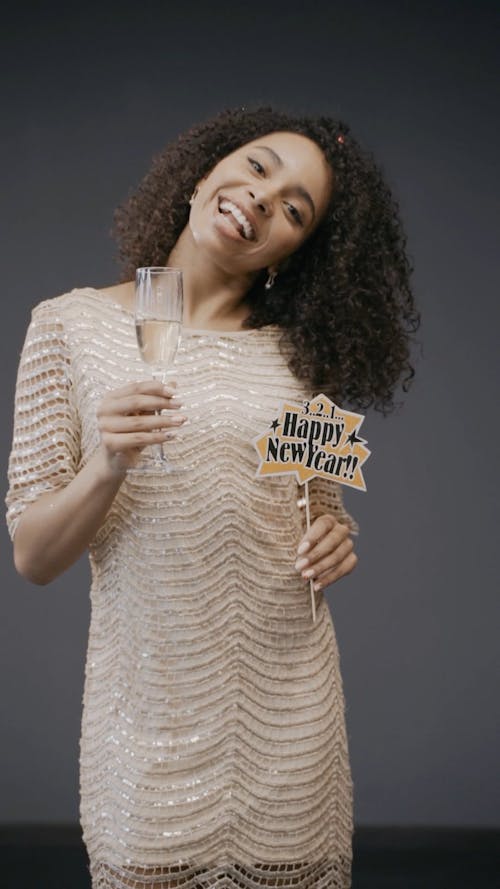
(158, 341)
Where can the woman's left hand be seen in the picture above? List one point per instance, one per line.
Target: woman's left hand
(325, 553)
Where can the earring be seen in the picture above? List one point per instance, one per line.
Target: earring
(270, 281)
(195, 192)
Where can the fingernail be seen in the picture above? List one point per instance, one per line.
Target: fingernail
(301, 563)
(308, 574)
(178, 420)
(317, 587)
(174, 402)
(303, 547)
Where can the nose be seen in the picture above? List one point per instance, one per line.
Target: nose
(263, 202)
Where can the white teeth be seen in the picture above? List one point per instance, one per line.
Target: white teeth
(229, 207)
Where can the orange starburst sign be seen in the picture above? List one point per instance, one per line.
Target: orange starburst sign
(314, 438)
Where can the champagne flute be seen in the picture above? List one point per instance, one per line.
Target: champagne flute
(158, 324)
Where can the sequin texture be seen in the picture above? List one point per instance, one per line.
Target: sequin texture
(213, 746)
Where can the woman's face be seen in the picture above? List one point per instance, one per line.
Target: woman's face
(260, 203)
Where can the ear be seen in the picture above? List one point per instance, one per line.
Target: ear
(196, 189)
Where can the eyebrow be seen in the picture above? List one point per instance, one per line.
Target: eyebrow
(299, 190)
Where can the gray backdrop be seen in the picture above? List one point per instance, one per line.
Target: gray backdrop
(90, 96)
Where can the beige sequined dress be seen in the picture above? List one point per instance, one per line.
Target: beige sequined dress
(213, 747)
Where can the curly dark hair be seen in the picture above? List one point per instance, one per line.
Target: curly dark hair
(343, 299)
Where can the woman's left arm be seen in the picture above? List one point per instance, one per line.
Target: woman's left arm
(326, 551)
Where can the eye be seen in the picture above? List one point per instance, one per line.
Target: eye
(295, 213)
(257, 167)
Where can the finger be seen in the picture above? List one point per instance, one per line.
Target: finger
(314, 542)
(329, 561)
(139, 423)
(146, 387)
(318, 529)
(324, 547)
(120, 442)
(329, 542)
(345, 567)
(137, 403)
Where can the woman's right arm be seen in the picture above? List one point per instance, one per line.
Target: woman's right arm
(55, 529)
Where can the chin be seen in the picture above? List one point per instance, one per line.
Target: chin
(222, 252)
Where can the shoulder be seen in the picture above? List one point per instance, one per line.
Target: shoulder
(57, 306)
(84, 300)
(56, 318)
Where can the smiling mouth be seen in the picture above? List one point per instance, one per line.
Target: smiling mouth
(242, 223)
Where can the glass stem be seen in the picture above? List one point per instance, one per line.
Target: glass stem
(160, 453)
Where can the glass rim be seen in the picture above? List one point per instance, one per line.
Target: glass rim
(158, 268)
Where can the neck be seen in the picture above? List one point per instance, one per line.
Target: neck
(212, 297)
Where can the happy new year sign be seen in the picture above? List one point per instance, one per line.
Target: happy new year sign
(314, 438)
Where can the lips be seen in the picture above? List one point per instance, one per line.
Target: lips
(242, 219)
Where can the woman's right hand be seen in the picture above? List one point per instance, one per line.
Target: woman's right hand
(59, 525)
(127, 421)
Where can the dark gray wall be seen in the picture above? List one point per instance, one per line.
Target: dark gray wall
(90, 96)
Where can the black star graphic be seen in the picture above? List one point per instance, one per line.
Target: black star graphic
(353, 438)
(274, 425)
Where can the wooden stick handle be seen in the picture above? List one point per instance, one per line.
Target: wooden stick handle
(311, 582)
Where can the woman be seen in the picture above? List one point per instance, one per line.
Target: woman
(214, 748)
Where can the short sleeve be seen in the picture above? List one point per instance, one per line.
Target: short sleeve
(326, 496)
(46, 438)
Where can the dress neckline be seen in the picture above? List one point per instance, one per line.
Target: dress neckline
(196, 331)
